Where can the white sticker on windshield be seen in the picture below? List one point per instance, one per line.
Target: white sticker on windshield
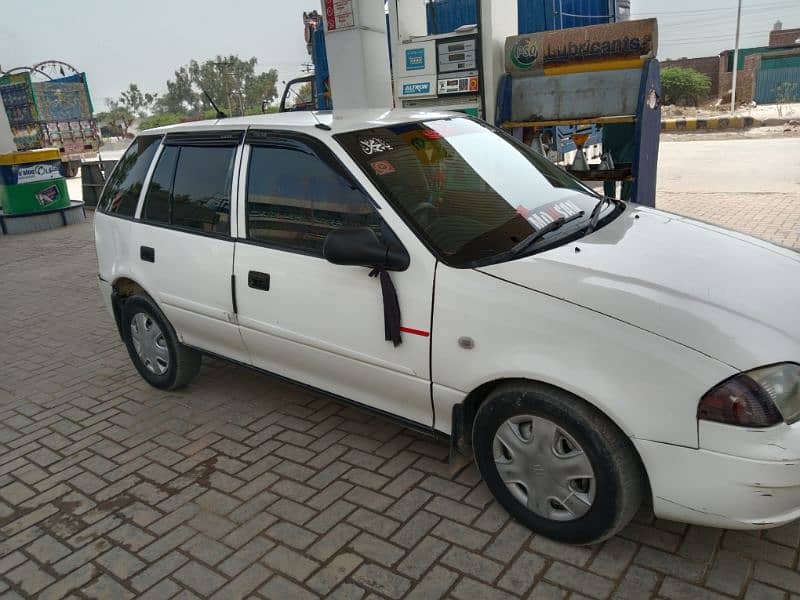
(371, 146)
(543, 215)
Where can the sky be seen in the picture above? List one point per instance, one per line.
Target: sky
(144, 41)
(691, 28)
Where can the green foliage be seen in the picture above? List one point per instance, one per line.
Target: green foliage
(230, 81)
(256, 110)
(181, 97)
(161, 119)
(117, 116)
(684, 86)
(135, 101)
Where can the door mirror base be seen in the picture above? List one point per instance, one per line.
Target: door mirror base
(359, 246)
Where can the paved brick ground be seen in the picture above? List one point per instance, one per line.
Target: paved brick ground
(245, 486)
(774, 217)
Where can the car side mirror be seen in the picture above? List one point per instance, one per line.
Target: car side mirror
(359, 246)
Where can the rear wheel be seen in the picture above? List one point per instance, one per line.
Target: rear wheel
(557, 464)
(153, 346)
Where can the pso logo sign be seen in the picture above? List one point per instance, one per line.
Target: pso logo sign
(39, 172)
(524, 53)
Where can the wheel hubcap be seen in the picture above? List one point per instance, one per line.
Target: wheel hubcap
(544, 468)
(149, 343)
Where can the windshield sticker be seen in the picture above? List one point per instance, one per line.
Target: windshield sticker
(548, 213)
(371, 146)
(382, 167)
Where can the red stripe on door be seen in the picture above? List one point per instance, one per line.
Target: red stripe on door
(415, 331)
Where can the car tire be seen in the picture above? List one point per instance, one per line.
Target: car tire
(154, 348)
(536, 446)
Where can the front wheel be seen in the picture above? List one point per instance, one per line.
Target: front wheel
(557, 464)
(154, 348)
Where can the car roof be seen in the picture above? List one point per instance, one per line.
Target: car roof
(339, 121)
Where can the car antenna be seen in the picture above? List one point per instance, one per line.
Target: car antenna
(320, 124)
(220, 114)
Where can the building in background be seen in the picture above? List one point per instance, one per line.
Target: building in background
(780, 37)
(761, 70)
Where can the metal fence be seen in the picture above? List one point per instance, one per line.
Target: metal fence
(769, 80)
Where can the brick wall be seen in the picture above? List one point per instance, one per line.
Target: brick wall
(783, 37)
(708, 65)
(745, 79)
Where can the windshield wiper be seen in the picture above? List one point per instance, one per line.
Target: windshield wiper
(539, 233)
(595, 216)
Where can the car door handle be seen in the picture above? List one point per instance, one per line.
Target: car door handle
(258, 280)
(147, 253)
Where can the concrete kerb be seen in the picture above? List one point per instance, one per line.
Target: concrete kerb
(715, 123)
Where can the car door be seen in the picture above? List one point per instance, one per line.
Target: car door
(183, 240)
(312, 321)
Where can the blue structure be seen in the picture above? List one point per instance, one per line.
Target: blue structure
(445, 16)
(534, 15)
(321, 72)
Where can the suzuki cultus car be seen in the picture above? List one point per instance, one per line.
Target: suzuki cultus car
(590, 353)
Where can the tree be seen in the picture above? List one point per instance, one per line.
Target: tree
(299, 97)
(117, 116)
(180, 97)
(161, 119)
(684, 86)
(233, 83)
(136, 102)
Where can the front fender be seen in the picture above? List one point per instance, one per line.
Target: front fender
(648, 385)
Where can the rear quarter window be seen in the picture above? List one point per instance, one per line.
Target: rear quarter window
(121, 194)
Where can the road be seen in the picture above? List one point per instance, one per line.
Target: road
(730, 166)
(751, 185)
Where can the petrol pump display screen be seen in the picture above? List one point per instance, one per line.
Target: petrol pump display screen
(457, 66)
(461, 55)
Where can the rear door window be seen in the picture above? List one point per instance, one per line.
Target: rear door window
(121, 194)
(191, 184)
(201, 193)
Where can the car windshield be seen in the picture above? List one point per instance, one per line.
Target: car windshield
(472, 194)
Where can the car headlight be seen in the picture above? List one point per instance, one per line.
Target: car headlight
(759, 398)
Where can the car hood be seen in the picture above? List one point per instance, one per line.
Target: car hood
(724, 294)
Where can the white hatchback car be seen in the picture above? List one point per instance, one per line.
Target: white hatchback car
(590, 353)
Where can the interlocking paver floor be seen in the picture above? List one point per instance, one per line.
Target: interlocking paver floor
(242, 485)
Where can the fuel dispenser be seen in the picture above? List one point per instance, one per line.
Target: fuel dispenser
(441, 73)
(456, 71)
(602, 75)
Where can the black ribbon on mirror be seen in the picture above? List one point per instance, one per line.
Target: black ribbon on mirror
(391, 306)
